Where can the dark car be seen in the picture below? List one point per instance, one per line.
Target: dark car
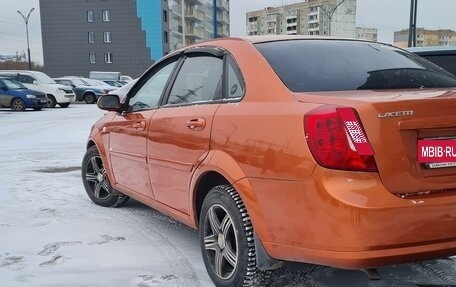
(16, 96)
(83, 92)
(443, 56)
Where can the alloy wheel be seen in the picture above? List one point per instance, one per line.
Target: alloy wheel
(18, 105)
(220, 241)
(97, 179)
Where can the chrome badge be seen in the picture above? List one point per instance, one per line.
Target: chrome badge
(395, 114)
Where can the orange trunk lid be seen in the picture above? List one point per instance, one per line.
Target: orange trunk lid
(394, 121)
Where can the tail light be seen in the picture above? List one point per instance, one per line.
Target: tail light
(330, 143)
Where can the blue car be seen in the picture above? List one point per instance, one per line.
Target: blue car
(83, 92)
(16, 96)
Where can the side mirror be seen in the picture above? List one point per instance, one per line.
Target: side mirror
(109, 103)
(35, 82)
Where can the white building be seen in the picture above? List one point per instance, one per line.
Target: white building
(192, 21)
(370, 34)
(311, 17)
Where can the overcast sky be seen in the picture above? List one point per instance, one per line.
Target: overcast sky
(386, 15)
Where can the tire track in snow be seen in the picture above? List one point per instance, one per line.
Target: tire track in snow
(180, 264)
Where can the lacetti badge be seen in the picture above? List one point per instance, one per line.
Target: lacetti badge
(395, 114)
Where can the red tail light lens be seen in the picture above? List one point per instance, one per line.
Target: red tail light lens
(330, 144)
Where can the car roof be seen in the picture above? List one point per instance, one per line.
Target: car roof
(275, 38)
(19, 71)
(433, 50)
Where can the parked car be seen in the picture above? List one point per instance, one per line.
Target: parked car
(126, 78)
(16, 96)
(285, 149)
(116, 84)
(83, 92)
(443, 56)
(97, 83)
(113, 76)
(35, 80)
(122, 91)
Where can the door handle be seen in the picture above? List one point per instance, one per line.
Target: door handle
(196, 124)
(139, 125)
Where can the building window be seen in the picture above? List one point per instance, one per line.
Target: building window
(165, 37)
(165, 16)
(90, 16)
(92, 58)
(108, 58)
(107, 37)
(91, 37)
(106, 15)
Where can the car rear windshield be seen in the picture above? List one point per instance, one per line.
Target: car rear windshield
(338, 65)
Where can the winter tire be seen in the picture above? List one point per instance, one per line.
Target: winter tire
(17, 105)
(226, 240)
(90, 98)
(51, 103)
(96, 182)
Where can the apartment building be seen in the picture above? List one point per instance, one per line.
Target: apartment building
(311, 17)
(370, 34)
(424, 37)
(124, 36)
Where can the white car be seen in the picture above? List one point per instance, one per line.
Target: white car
(39, 81)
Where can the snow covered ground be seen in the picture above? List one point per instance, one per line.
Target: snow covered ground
(52, 235)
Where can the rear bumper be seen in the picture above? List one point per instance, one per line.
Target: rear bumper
(349, 220)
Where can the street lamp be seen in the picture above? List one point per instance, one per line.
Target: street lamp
(330, 14)
(26, 19)
(412, 27)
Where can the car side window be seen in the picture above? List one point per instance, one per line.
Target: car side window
(197, 81)
(2, 86)
(150, 93)
(66, 83)
(25, 79)
(235, 87)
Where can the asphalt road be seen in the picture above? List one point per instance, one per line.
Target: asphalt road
(52, 235)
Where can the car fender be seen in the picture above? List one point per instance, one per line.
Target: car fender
(101, 140)
(222, 163)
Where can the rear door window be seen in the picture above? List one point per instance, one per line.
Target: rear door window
(235, 84)
(199, 80)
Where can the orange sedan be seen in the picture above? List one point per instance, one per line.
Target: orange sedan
(286, 149)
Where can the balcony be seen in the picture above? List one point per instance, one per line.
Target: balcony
(223, 5)
(194, 33)
(194, 15)
(293, 24)
(223, 18)
(176, 12)
(194, 2)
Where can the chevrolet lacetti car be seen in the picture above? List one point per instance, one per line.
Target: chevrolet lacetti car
(285, 149)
